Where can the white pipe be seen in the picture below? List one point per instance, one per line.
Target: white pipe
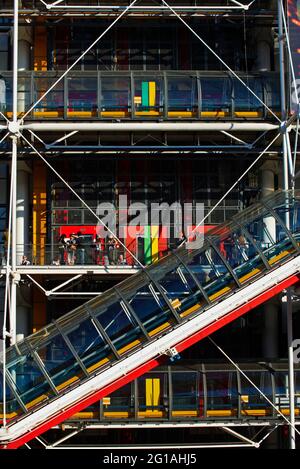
(291, 368)
(54, 7)
(148, 126)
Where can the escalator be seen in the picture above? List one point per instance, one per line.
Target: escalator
(152, 316)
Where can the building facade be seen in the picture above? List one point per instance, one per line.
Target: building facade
(123, 109)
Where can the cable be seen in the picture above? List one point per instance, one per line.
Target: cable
(78, 59)
(220, 59)
(254, 385)
(233, 186)
(82, 201)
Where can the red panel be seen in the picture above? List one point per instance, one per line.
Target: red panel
(66, 413)
(163, 241)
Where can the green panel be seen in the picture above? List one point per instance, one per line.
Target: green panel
(147, 244)
(145, 93)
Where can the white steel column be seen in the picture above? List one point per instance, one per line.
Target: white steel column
(286, 187)
(22, 212)
(13, 128)
(270, 335)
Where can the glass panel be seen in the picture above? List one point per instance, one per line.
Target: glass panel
(253, 403)
(297, 389)
(120, 328)
(216, 95)
(185, 394)
(182, 94)
(244, 101)
(239, 252)
(182, 291)
(30, 383)
(151, 309)
(148, 96)
(13, 408)
(272, 92)
(82, 96)
(52, 105)
(282, 389)
(271, 238)
(59, 362)
(116, 95)
(222, 393)
(212, 273)
(119, 404)
(89, 345)
(24, 100)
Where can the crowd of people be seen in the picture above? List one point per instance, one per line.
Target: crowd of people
(73, 251)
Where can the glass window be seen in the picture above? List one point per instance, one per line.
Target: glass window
(281, 389)
(151, 309)
(222, 393)
(13, 408)
(239, 252)
(120, 328)
(89, 345)
(30, 383)
(212, 273)
(216, 94)
(182, 94)
(182, 291)
(186, 394)
(52, 105)
(244, 100)
(120, 404)
(115, 94)
(271, 238)
(82, 95)
(60, 363)
(252, 401)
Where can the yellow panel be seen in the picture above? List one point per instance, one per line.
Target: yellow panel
(114, 114)
(220, 413)
(184, 413)
(159, 329)
(152, 93)
(213, 114)
(152, 392)
(49, 114)
(85, 416)
(81, 114)
(147, 113)
(154, 242)
(116, 415)
(181, 114)
(151, 413)
(248, 114)
(176, 303)
(156, 391)
(190, 310)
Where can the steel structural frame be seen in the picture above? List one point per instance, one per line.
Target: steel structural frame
(15, 127)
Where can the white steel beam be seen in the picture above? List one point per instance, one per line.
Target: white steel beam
(148, 126)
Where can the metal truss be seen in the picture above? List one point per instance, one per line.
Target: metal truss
(239, 440)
